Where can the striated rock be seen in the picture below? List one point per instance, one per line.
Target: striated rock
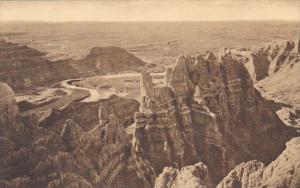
(156, 130)
(283, 172)
(194, 176)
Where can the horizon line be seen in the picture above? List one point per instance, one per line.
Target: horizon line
(119, 21)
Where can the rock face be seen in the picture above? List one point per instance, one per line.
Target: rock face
(283, 172)
(23, 67)
(194, 176)
(210, 112)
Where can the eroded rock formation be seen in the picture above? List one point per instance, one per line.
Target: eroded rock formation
(210, 112)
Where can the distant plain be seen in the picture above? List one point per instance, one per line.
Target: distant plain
(156, 42)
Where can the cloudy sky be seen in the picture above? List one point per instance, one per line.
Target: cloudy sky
(150, 10)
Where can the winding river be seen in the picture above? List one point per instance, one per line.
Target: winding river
(95, 95)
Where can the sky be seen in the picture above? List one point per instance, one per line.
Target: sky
(150, 10)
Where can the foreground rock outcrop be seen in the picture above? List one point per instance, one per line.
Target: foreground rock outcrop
(281, 173)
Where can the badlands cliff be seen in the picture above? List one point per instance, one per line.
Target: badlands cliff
(199, 130)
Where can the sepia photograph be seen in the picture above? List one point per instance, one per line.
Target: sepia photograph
(150, 94)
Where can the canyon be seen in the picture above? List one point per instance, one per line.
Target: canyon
(212, 123)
